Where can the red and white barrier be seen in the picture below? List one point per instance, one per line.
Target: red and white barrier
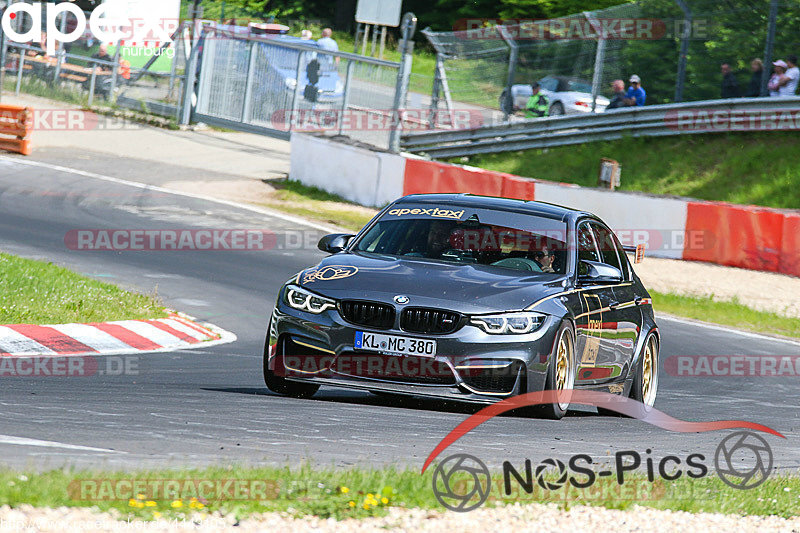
(727, 234)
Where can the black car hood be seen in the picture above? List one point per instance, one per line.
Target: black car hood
(467, 288)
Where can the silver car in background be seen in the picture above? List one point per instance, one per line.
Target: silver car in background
(567, 96)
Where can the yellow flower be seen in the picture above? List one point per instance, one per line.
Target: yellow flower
(140, 496)
(139, 505)
(156, 515)
(150, 503)
(176, 504)
(370, 496)
(344, 490)
(192, 504)
(384, 500)
(366, 506)
(192, 499)
(200, 505)
(132, 503)
(352, 503)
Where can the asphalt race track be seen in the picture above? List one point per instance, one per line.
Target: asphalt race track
(210, 406)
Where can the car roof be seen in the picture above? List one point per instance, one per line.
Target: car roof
(528, 207)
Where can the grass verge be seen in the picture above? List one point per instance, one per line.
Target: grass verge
(730, 313)
(296, 198)
(359, 493)
(743, 168)
(35, 292)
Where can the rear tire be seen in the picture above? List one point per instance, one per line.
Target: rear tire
(560, 373)
(283, 386)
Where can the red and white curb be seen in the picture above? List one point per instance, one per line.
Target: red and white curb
(176, 332)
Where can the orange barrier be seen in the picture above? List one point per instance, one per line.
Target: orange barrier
(790, 248)
(423, 176)
(518, 188)
(18, 123)
(740, 236)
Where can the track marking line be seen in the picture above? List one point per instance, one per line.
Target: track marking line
(156, 188)
(22, 441)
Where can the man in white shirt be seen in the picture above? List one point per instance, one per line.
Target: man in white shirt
(788, 85)
(328, 43)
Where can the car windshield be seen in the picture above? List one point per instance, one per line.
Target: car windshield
(453, 234)
(579, 87)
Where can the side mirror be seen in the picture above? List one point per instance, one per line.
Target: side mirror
(591, 272)
(334, 243)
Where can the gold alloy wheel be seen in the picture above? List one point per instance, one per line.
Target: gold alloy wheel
(650, 373)
(565, 377)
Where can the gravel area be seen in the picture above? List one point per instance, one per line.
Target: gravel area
(763, 291)
(511, 518)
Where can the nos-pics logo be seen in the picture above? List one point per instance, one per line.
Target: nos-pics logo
(106, 23)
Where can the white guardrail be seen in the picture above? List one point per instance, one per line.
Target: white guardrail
(708, 116)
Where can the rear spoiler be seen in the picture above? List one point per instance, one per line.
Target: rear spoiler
(637, 250)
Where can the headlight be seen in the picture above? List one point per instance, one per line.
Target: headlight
(509, 323)
(307, 301)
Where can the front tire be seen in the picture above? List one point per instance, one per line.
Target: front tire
(560, 374)
(283, 386)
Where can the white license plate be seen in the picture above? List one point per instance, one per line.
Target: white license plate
(376, 342)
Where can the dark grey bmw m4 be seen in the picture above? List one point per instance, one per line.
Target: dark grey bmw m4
(469, 298)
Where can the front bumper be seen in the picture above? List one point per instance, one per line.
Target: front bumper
(470, 365)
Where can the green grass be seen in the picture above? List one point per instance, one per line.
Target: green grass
(35, 292)
(296, 198)
(743, 168)
(730, 313)
(357, 493)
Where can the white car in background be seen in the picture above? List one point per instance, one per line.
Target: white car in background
(567, 96)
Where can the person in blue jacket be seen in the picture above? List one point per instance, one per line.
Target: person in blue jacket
(635, 91)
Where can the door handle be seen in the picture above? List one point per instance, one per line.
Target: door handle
(613, 305)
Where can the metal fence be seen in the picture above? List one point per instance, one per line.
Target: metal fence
(675, 46)
(261, 85)
(744, 114)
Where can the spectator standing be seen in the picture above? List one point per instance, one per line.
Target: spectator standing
(306, 35)
(754, 88)
(778, 77)
(326, 42)
(730, 85)
(789, 87)
(538, 105)
(636, 92)
(620, 99)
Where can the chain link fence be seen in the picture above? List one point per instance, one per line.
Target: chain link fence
(676, 48)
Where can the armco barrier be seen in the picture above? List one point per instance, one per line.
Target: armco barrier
(16, 123)
(743, 236)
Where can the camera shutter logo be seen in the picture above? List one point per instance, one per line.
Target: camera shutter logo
(743, 460)
(546, 466)
(461, 483)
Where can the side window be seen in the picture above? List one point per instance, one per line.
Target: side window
(587, 249)
(623, 257)
(549, 84)
(608, 248)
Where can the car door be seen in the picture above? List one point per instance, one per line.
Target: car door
(624, 318)
(598, 360)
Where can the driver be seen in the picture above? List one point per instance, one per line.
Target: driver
(438, 238)
(545, 260)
